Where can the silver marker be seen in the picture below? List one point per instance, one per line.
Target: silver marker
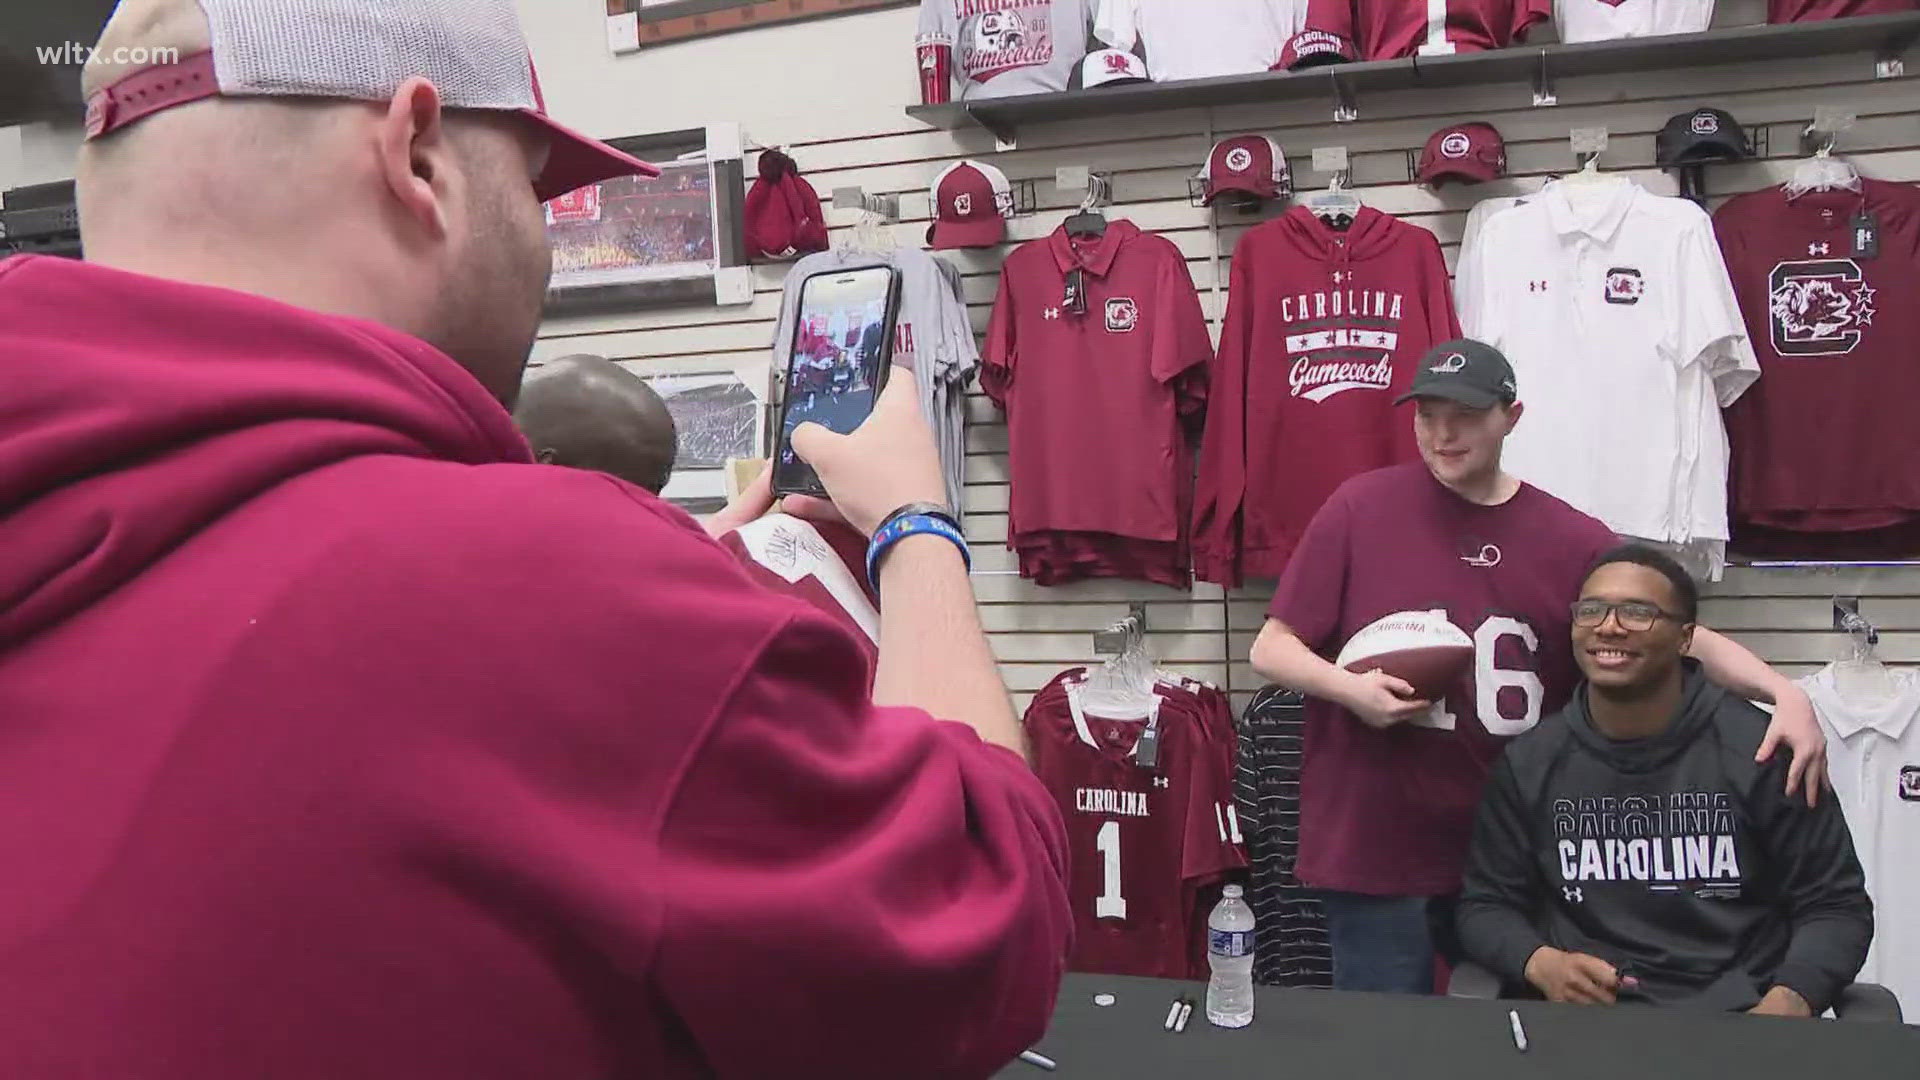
(1186, 1013)
(1038, 1060)
(1519, 1033)
(1173, 1014)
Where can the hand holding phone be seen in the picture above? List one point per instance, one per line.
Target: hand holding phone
(888, 462)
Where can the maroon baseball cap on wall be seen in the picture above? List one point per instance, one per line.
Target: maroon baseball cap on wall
(1312, 48)
(472, 51)
(1251, 164)
(971, 203)
(1471, 153)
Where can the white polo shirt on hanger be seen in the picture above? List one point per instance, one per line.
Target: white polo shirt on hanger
(1202, 40)
(1616, 311)
(1608, 20)
(1873, 754)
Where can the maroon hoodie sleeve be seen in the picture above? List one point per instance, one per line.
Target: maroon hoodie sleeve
(1222, 483)
(862, 888)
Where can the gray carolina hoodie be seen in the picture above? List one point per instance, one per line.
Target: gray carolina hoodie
(1674, 858)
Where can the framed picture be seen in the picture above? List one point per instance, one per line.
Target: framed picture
(635, 24)
(716, 418)
(674, 239)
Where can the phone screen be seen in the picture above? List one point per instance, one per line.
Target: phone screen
(842, 346)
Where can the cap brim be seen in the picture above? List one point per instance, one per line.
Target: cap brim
(1471, 396)
(1460, 173)
(985, 232)
(1123, 80)
(574, 160)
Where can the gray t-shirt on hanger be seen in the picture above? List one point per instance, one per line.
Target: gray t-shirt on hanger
(933, 337)
(1007, 47)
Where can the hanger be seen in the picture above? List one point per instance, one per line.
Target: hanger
(1861, 677)
(1336, 206)
(1822, 171)
(1126, 682)
(1589, 173)
(871, 233)
(1089, 221)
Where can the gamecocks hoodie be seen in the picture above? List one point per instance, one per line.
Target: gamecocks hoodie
(1674, 858)
(338, 740)
(1323, 331)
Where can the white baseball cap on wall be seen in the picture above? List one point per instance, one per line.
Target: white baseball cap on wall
(472, 51)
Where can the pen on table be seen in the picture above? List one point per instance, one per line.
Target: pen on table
(1038, 1060)
(1173, 1013)
(1186, 1012)
(1519, 1033)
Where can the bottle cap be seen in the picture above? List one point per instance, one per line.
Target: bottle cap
(1231, 892)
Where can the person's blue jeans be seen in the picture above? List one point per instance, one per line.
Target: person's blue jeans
(1380, 943)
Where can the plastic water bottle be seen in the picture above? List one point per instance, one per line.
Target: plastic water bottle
(1230, 955)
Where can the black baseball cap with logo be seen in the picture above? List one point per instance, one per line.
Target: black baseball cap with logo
(1470, 372)
(1701, 135)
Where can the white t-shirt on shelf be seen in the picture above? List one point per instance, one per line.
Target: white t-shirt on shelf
(1608, 20)
(1202, 39)
(1873, 755)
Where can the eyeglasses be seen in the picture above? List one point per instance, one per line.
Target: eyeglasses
(1632, 615)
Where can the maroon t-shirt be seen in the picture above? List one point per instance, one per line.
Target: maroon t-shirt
(1788, 11)
(1825, 442)
(1142, 843)
(1389, 29)
(1389, 812)
(1323, 330)
(1097, 403)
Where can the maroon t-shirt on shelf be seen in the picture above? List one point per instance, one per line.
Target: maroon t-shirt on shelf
(1825, 443)
(1142, 843)
(1788, 11)
(1098, 402)
(1323, 330)
(1389, 812)
(1390, 29)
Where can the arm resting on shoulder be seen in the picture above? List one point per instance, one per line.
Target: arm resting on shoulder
(1730, 665)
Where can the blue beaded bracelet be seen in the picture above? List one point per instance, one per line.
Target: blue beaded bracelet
(901, 527)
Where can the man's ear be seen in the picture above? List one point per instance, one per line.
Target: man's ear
(1686, 639)
(415, 154)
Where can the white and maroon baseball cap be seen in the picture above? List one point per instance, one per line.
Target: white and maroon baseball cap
(1112, 67)
(1252, 164)
(472, 51)
(1472, 153)
(971, 203)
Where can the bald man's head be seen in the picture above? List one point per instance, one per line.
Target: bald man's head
(400, 211)
(586, 412)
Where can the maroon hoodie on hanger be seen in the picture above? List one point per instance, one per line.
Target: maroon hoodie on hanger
(342, 741)
(1323, 331)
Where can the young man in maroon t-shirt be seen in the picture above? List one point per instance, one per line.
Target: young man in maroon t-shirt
(1389, 782)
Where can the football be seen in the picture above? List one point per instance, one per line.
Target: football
(1422, 647)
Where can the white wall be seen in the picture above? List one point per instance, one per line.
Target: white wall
(836, 77)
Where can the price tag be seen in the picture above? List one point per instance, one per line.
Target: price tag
(1589, 140)
(1330, 159)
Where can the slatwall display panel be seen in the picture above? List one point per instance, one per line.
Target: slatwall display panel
(1785, 614)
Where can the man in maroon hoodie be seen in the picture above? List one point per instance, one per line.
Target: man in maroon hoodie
(344, 741)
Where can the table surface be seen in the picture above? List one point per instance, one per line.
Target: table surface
(1316, 1033)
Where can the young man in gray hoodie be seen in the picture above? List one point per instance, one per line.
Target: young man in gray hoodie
(1629, 848)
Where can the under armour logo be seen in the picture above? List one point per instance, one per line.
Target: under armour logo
(1052, 313)
(1536, 286)
(1572, 894)
(1449, 364)
(1342, 275)
(1160, 781)
(1486, 557)
(1820, 249)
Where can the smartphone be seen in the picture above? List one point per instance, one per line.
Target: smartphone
(842, 351)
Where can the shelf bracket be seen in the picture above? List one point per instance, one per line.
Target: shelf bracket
(1005, 136)
(1543, 95)
(1345, 109)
